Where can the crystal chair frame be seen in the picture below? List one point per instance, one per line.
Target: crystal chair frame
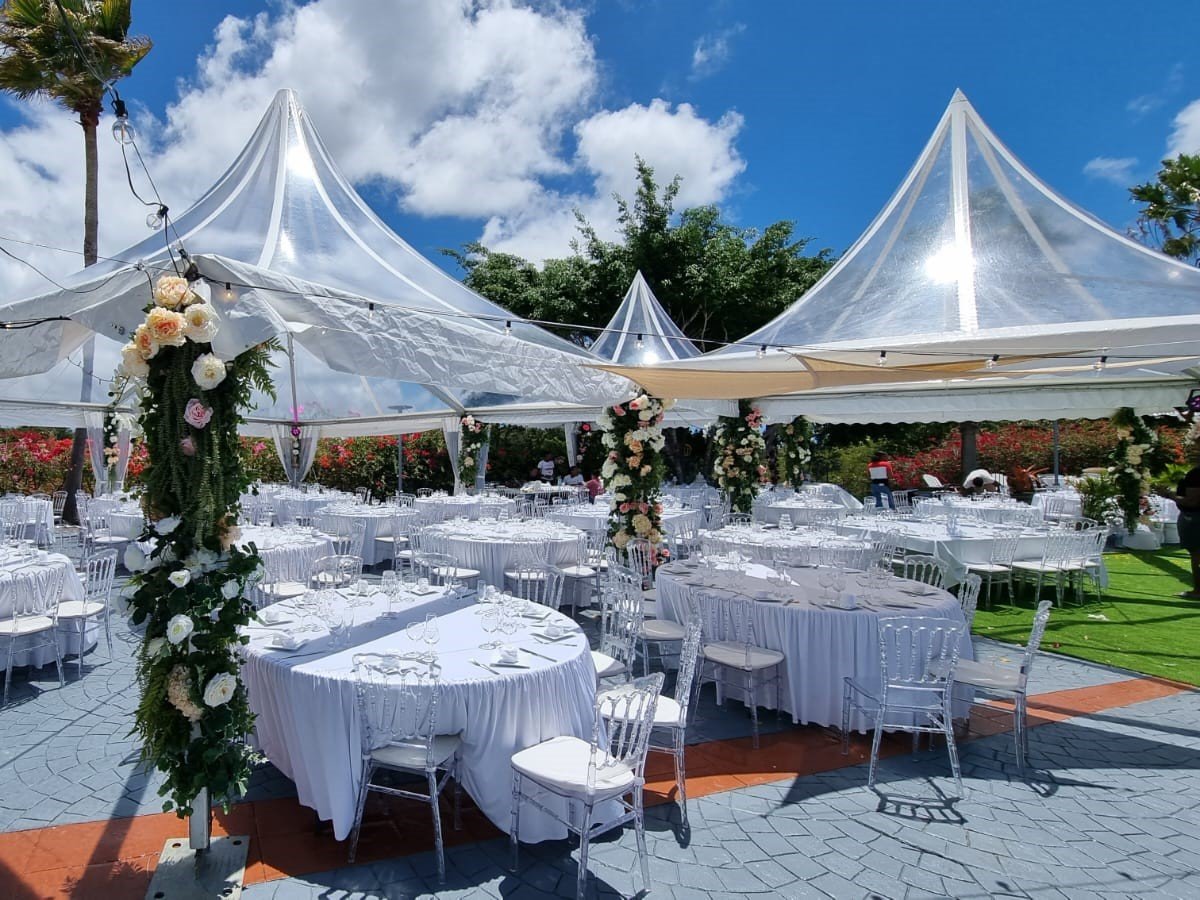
(968, 598)
(398, 724)
(998, 568)
(541, 584)
(616, 755)
(34, 621)
(926, 569)
(1057, 562)
(335, 572)
(96, 602)
(621, 619)
(915, 661)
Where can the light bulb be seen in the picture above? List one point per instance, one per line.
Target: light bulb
(638, 345)
(371, 310)
(228, 295)
(882, 361)
(1100, 364)
(122, 131)
(762, 351)
(508, 329)
(991, 363)
(154, 220)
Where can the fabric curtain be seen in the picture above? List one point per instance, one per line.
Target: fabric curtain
(452, 432)
(481, 464)
(94, 421)
(296, 468)
(571, 431)
(123, 450)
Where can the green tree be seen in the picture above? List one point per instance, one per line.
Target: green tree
(1170, 214)
(71, 52)
(717, 281)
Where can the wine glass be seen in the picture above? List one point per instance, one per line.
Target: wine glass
(490, 622)
(415, 630)
(431, 636)
(825, 579)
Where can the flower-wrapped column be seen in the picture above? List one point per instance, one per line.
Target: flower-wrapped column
(190, 586)
(1137, 456)
(633, 469)
(739, 459)
(792, 453)
(473, 437)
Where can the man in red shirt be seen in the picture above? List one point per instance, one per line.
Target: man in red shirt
(880, 472)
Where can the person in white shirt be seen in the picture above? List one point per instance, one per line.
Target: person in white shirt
(546, 467)
(576, 477)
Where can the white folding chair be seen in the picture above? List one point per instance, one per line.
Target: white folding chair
(97, 586)
(925, 569)
(620, 624)
(998, 568)
(33, 623)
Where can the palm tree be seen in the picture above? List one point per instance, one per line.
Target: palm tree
(70, 52)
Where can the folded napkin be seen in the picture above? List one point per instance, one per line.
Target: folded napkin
(272, 616)
(289, 641)
(506, 656)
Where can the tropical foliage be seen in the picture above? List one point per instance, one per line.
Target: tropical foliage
(739, 464)
(633, 469)
(189, 591)
(792, 453)
(1170, 214)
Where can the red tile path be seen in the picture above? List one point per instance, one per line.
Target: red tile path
(114, 859)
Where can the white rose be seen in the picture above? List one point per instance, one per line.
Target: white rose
(154, 646)
(207, 560)
(468, 461)
(167, 525)
(208, 371)
(180, 578)
(135, 558)
(133, 364)
(201, 321)
(179, 628)
(230, 589)
(167, 555)
(220, 689)
(645, 415)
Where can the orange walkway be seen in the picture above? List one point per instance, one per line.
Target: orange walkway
(114, 858)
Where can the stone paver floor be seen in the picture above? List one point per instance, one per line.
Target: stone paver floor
(1112, 808)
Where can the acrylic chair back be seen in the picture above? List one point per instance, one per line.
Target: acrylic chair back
(968, 597)
(34, 590)
(100, 571)
(1004, 548)
(728, 620)
(917, 653)
(926, 569)
(397, 708)
(689, 655)
(621, 615)
(1040, 618)
(337, 571)
(627, 715)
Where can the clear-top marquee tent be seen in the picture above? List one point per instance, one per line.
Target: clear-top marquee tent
(976, 293)
(380, 339)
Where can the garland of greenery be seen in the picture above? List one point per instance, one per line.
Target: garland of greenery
(1137, 457)
(791, 451)
(633, 469)
(738, 465)
(471, 441)
(190, 588)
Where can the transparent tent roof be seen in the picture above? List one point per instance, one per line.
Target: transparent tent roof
(641, 332)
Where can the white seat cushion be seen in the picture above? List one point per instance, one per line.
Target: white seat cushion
(526, 576)
(988, 568)
(731, 653)
(25, 625)
(284, 590)
(455, 572)
(578, 571)
(412, 756)
(389, 539)
(79, 609)
(605, 665)
(562, 763)
(662, 630)
(650, 594)
(667, 712)
(968, 671)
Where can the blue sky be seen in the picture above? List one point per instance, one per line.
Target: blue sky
(803, 111)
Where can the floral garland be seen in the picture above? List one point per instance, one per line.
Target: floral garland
(740, 448)
(791, 451)
(473, 437)
(633, 469)
(190, 587)
(1137, 456)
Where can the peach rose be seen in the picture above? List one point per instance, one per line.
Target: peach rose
(167, 327)
(145, 342)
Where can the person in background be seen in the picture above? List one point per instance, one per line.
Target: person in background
(574, 476)
(594, 486)
(1187, 498)
(535, 474)
(880, 472)
(545, 468)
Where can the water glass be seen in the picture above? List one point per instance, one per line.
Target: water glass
(341, 624)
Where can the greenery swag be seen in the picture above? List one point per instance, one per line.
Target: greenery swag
(1137, 456)
(474, 435)
(791, 451)
(633, 469)
(739, 449)
(190, 588)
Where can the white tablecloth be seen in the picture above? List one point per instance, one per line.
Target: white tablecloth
(466, 506)
(759, 543)
(377, 519)
(68, 638)
(308, 723)
(834, 492)
(803, 510)
(988, 509)
(126, 521)
(39, 514)
(287, 554)
(489, 546)
(591, 517)
(822, 645)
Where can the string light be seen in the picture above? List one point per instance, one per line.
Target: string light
(882, 361)
(762, 351)
(508, 329)
(371, 310)
(228, 295)
(638, 345)
(122, 131)
(1101, 364)
(991, 363)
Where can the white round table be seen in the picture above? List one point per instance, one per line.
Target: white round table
(68, 636)
(307, 717)
(489, 547)
(290, 504)
(760, 543)
(998, 510)
(802, 509)
(287, 553)
(593, 517)
(822, 644)
(465, 506)
(377, 522)
(126, 521)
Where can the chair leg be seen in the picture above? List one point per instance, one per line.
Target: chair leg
(752, 699)
(515, 827)
(431, 776)
(364, 788)
(639, 828)
(108, 633)
(645, 659)
(79, 659)
(8, 669)
(845, 719)
(62, 682)
(681, 773)
(952, 749)
(876, 739)
(584, 837)
(455, 774)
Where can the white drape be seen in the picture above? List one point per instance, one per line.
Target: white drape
(571, 432)
(452, 432)
(123, 451)
(481, 464)
(296, 469)
(95, 443)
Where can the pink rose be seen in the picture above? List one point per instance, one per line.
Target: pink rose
(623, 508)
(618, 410)
(196, 413)
(644, 507)
(187, 447)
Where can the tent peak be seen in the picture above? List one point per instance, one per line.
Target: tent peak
(959, 96)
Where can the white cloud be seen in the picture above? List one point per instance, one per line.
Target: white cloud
(1185, 131)
(1118, 170)
(712, 51)
(466, 109)
(672, 141)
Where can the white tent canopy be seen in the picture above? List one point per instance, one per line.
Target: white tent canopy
(378, 330)
(974, 263)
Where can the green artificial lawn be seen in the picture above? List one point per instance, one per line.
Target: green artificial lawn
(1140, 624)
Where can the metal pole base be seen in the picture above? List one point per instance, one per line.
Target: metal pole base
(186, 874)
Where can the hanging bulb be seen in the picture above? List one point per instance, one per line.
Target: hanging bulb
(371, 310)
(228, 295)
(762, 351)
(153, 221)
(508, 329)
(638, 345)
(991, 363)
(882, 361)
(1101, 364)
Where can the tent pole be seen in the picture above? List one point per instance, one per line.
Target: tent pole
(400, 464)
(291, 352)
(1056, 448)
